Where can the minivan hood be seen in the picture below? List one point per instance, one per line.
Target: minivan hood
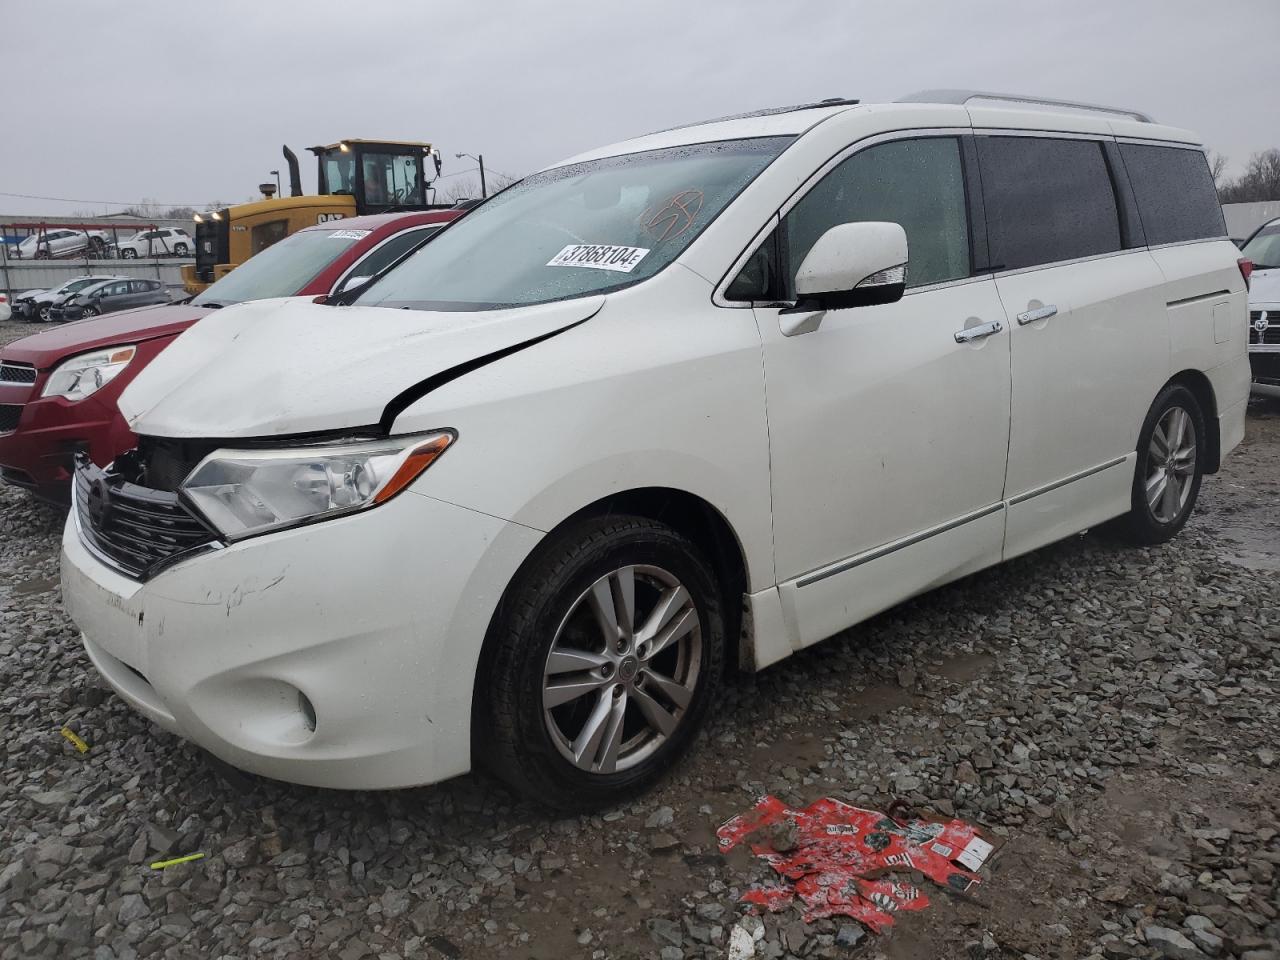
(290, 366)
(1264, 286)
(49, 347)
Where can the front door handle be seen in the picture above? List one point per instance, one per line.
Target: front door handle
(1039, 313)
(969, 334)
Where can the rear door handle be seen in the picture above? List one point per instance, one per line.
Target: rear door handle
(1039, 313)
(969, 334)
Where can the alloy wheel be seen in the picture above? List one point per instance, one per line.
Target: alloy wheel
(622, 670)
(1171, 465)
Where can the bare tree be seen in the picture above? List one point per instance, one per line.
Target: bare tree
(1218, 167)
(468, 188)
(1260, 180)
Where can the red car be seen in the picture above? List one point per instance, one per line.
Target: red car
(58, 389)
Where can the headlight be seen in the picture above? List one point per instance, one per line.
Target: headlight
(81, 376)
(245, 492)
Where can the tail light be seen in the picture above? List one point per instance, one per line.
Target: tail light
(1246, 269)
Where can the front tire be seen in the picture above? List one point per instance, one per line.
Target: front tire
(128, 253)
(1171, 459)
(604, 657)
(89, 312)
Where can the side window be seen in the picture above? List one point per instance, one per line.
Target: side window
(1047, 200)
(1174, 189)
(759, 277)
(265, 234)
(918, 183)
(390, 251)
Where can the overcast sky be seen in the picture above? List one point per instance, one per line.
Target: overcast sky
(187, 102)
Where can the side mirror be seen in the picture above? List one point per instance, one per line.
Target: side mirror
(851, 265)
(353, 282)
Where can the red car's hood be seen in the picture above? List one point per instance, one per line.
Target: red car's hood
(48, 347)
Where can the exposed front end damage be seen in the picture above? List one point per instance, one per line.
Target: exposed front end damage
(249, 649)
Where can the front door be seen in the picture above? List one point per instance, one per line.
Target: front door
(888, 435)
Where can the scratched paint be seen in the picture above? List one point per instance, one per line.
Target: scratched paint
(843, 857)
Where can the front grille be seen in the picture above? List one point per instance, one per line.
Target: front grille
(136, 528)
(11, 372)
(10, 414)
(1271, 335)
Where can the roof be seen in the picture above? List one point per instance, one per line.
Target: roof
(792, 122)
(426, 147)
(1029, 112)
(376, 221)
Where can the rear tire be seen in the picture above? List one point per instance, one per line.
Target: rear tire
(180, 250)
(578, 713)
(1171, 459)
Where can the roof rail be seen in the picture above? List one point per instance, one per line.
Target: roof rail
(962, 97)
(767, 112)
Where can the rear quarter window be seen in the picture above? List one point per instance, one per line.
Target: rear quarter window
(1174, 188)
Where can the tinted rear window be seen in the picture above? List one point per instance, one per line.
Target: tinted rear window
(1047, 200)
(1175, 193)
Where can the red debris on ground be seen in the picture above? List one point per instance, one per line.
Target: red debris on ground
(841, 853)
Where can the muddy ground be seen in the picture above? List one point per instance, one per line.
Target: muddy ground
(1110, 713)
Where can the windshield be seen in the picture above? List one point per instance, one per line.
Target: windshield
(1264, 248)
(577, 230)
(282, 269)
(71, 286)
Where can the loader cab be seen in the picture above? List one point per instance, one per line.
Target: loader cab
(381, 175)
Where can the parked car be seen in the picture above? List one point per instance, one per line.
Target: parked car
(107, 297)
(60, 242)
(156, 243)
(35, 305)
(6, 310)
(523, 502)
(1263, 251)
(58, 389)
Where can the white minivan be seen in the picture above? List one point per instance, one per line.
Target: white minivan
(684, 404)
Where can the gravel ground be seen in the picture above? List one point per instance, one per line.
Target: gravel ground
(1110, 712)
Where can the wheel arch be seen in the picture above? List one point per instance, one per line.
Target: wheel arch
(1202, 390)
(688, 514)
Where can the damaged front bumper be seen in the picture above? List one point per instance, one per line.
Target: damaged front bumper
(340, 654)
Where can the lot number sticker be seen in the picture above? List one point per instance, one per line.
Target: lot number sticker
(348, 234)
(599, 256)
